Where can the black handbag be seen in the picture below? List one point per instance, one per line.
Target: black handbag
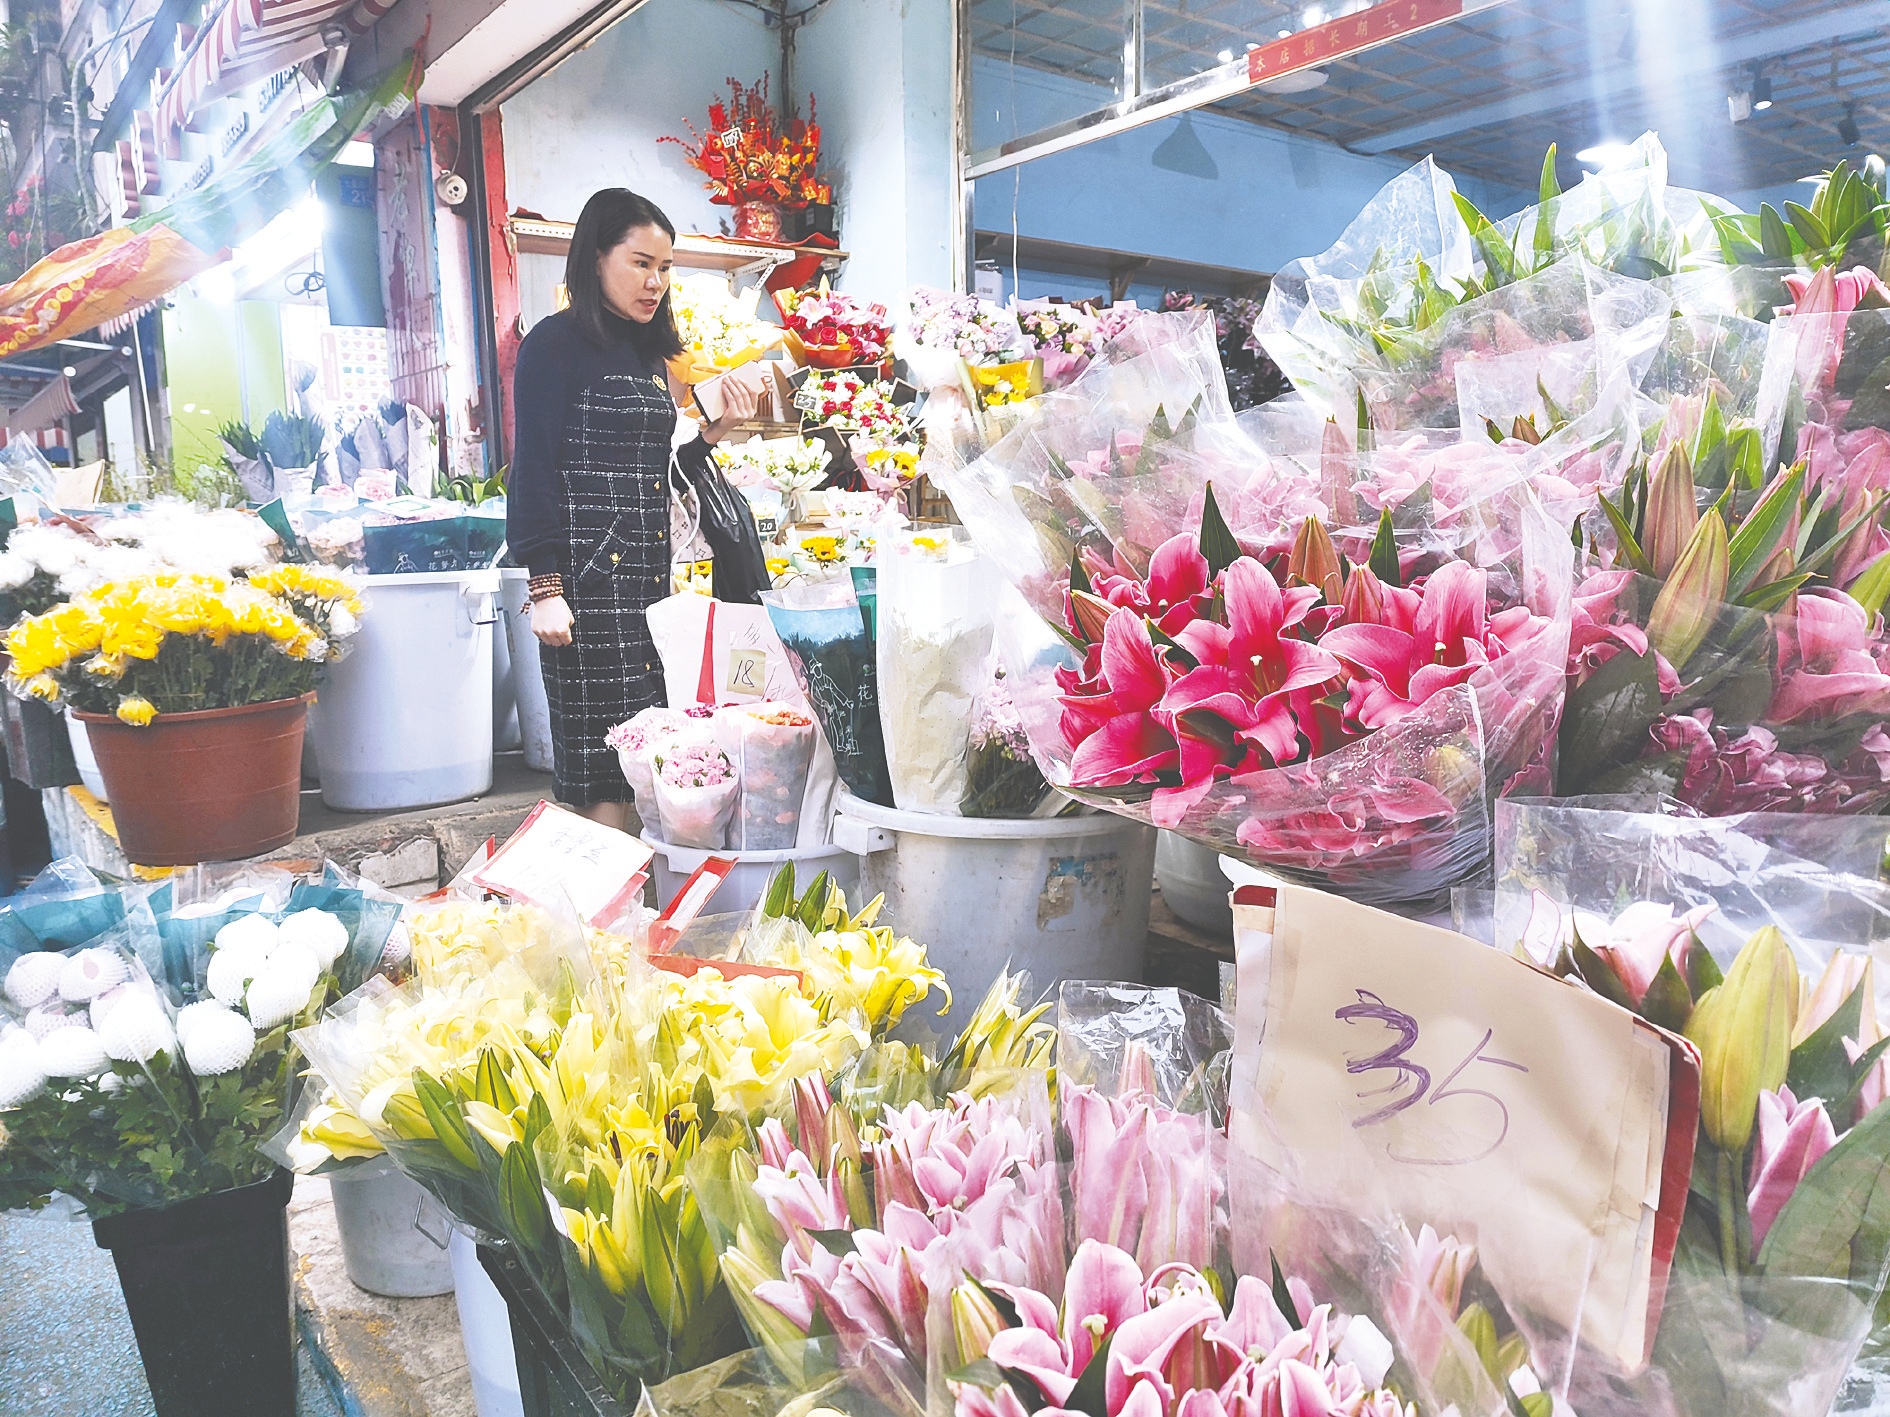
(726, 524)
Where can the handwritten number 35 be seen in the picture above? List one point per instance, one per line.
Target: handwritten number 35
(1372, 1009)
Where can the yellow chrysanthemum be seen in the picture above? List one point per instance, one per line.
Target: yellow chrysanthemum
(137, 710)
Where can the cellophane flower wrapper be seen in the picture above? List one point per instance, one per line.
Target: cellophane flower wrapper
(65, 904)
(1399, 815)
(771, 759)
(1782, 710)
(1174, 1045)
(1002, 778)
(1817, 878)
(934, 627)
(639, 738)
(696, 816)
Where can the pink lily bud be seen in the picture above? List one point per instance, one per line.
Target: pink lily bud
(1363, 602)
(1314, 560)
(1841, 979)
(1671, 511)
(1792, 1136)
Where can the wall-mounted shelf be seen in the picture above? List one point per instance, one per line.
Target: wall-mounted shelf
(538, 237)
(1120, 268)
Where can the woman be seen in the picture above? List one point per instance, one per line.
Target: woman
(588, 498)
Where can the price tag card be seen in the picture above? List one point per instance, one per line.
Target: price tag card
(598, 868)
(1405, 1070)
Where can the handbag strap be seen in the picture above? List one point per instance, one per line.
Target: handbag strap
(705, 680)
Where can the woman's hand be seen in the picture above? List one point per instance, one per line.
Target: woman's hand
(551, 621)
(739, 401)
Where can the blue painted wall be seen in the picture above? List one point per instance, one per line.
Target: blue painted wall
(1278, 197)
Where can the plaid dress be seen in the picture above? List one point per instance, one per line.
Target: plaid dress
(613, 505)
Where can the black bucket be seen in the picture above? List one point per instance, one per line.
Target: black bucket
(207, 1283)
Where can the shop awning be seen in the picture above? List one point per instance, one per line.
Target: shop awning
(44, 408)
(250, 40)
(101, 278)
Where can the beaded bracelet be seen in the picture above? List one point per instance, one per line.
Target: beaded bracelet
(545, 587)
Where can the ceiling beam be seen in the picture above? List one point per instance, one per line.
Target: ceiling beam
(1708, 55)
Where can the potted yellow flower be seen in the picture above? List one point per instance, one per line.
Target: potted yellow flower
(194, 691)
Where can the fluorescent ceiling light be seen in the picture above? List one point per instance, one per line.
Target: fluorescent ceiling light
(1605, 154)
(1299, 81)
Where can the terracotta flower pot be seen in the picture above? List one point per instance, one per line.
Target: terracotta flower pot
(213, 785)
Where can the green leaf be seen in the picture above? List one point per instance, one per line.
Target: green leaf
(1283, 1295)
(1775, 237)
(1606, 719)
(1548, 188)
(522, 1196)
(1703, 971)
(1161, 639)
(1819, 1066)
(1837, 1222)
(1217, 543)
(1597, 975)
(1079, 574)
(1089, 1395)
(1383, 560)
(1668, 1003)
(1870, 589)
(1624, 535)
(1773, 594)
(1810, 230)
(1759, 535)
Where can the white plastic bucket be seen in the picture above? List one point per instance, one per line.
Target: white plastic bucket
(89, 774)
(485, 1326)
(1066, 898)
(393, 1234)
(674, 865)
(1191, 881)
(406, 718)
(1239, 874)
(528, 678)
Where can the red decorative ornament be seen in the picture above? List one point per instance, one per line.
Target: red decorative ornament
(750, 156)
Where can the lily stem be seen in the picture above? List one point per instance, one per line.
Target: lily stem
(1728, 1220)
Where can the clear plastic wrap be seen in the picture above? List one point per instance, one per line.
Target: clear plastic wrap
(638, 739)
(772, 747)
(934, 652)
(694, 807)
(1400, 814)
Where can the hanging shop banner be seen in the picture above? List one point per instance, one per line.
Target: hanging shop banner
(1363, 29)
(87, 282)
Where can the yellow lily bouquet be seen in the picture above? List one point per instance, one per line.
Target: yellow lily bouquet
(555, 1095)
(174, 643)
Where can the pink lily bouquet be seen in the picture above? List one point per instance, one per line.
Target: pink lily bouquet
(1733, 656)
(1782, 1261)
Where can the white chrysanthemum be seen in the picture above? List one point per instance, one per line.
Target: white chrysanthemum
(72, 1053)
(15, 570)
(137, 1031)
(101, 1008)
(257, 928)
(111, 1084)
(324, 934)
(49, 1018)
(219, 1042)
(191, 1015)
(34, 978)
(276, 995)
(297, 962)
(90, 973)
(231, 970)
(341, 622)
(21, 1075)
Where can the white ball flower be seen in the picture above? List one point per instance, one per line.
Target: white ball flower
(231, 970)
(50, 1018)
(72, 1053)
(297, 962)
(101, 1008)
(324, 934)
(256, 929)
(137, 1031)
(277, 994)
(90, 973)
(191, 1015)
(21, 1073)
(34, 978)
(219, 1042)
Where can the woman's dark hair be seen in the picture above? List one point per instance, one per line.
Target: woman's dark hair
(609, 216)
